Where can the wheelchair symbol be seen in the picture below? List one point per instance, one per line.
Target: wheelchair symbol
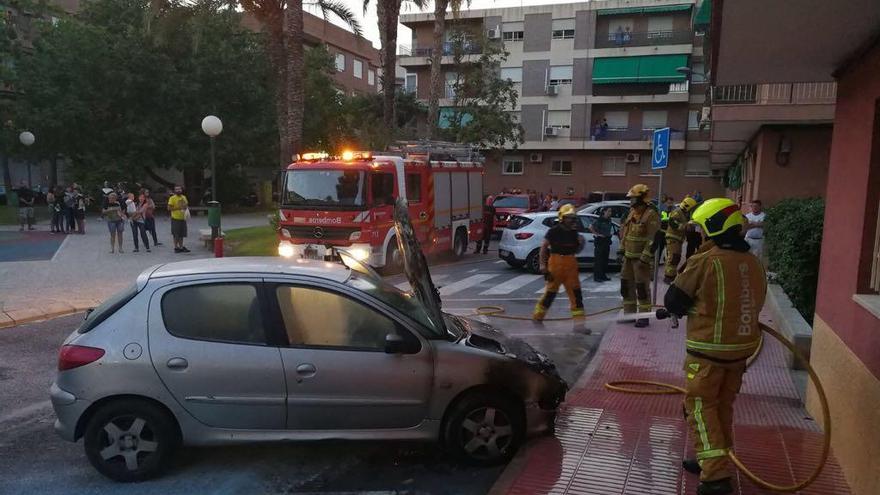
(659, 154)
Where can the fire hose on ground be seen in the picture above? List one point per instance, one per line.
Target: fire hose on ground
(667, 388)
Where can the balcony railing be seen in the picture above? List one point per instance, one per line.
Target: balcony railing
(467, 48)
(809, 93)
(619, 39)
(632, 135)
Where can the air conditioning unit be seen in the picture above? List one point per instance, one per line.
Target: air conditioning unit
(493, 34)
(632, 158)
(536, 158)
(551, 131)
(552, 90)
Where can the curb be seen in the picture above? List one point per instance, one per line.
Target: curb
(13, 318)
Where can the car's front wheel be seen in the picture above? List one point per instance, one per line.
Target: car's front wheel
(484, 429)
(130, 440)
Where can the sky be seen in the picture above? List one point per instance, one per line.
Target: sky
(369, 21)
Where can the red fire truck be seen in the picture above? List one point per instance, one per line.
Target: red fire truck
(347, 202)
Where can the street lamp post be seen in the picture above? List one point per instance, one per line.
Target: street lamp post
(27, 138)
(212, 126)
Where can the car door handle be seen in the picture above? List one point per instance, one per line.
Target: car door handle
(177, 363)
(306, 370)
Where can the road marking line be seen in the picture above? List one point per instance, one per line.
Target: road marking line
(58, 251)
(511, 285)
(465, 283)
(500, 261)
(404, 286)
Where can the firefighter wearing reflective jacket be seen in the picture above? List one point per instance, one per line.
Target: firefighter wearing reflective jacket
(675, 230)
(559, 264)
(721, 290)
(636, 240)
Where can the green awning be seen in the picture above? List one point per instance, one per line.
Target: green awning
(645, 10)
(704, 14)
(646, 69)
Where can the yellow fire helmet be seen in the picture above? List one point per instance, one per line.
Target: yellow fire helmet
(718, 215)
(566, 210)
(638, 191)
(687, 204)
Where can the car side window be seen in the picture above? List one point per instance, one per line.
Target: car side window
(225, 312)
(320, 318)
(586, 222)
(550, 221)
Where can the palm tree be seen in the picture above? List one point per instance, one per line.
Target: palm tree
(437, 83)
(282, 20)
(388, 12)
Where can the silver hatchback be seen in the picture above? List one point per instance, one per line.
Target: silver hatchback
(259, 349)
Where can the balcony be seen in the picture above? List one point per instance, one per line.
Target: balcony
(634, 135)
(622, 39)
(811, 93)
(419, 54)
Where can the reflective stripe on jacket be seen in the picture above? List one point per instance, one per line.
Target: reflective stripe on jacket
(675, 228)
(637, 232)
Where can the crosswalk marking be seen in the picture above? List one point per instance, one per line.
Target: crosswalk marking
(465, 283)
(587, 285)
(511, 285)
(404, 286)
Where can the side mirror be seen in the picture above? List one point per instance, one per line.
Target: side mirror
(394, 344)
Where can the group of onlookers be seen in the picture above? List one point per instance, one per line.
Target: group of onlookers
(67, 208)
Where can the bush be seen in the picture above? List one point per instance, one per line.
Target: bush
(793, 238)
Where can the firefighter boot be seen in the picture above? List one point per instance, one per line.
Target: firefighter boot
(717, 487)
(543, 305)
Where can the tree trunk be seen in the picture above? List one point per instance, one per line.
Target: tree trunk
(276, 57)
(388, 11)
(294, 76)
(438, 88)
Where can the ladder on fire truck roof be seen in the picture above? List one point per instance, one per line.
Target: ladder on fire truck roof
(435, 151)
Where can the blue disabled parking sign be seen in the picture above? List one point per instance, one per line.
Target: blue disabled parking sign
(660, 154)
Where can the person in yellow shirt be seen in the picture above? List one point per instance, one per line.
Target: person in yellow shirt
(178, 206)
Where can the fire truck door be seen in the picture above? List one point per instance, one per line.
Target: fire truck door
(418, 205)
(381, 198)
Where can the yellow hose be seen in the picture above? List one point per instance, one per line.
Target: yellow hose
(666, 388)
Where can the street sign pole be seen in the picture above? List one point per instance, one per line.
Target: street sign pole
(659, 161)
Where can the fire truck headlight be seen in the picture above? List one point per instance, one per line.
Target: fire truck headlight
(285, 249)
(359, 254)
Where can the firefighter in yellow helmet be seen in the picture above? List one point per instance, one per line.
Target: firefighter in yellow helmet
(636, 238)
(675, 229)
(722, 290)
(558, 263)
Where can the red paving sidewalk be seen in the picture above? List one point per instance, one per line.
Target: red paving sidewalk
(611, 443)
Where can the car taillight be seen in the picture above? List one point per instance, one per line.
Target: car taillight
(523, 235)
(74, 356)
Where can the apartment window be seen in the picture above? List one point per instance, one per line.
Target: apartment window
(340, 62)
(512, 73)
(563, 29)
(358, 69)
(512, 166)
(653, 119)
(697, 166)
(411, 83)
(614, 166)
(560, 167)
(512, 31)
(451, 80)
(699, 71)
(619, 25)
(371, 77)
(617, 120)
(560, 119)
(660, 27)
(694, 120)
(560, 74)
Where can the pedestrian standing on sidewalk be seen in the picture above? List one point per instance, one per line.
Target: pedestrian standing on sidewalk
(25, 206)
(69, 207)
(178, 206)
(149, 215)
(79, 212)
(755, 229)
(602, 232)
(136, 219)
(50, 203)
(115, 217)
(722, 290)
(559, 264)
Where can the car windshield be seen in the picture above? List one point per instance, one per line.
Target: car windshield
(511, 202)
(324, 188)
(404, 302)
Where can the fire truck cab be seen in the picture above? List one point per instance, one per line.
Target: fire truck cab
(347, 202)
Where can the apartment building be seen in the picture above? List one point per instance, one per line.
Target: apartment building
(594, 80)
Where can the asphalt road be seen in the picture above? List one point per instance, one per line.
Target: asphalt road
(33, 459)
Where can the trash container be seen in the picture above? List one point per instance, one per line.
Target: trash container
(214, 218)
(12, 198)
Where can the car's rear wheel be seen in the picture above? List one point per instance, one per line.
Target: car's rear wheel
(533, 261)
(484, 429)
(130, 440)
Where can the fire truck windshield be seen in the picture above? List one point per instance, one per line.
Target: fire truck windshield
(324, 189)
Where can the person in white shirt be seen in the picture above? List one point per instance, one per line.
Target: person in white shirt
(755, 229)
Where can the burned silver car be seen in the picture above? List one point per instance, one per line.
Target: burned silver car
(260, 349)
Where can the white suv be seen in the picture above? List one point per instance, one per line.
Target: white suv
(521, 240)
(619, 209)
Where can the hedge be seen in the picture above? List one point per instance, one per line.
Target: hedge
(793, 239)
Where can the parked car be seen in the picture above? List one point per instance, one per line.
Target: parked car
(619, 209)
(235, 350)
(508, 205)
(521, 241)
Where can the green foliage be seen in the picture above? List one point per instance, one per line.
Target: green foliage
(323, 122)
(363, 114)
(252, 241)
(793, 237)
